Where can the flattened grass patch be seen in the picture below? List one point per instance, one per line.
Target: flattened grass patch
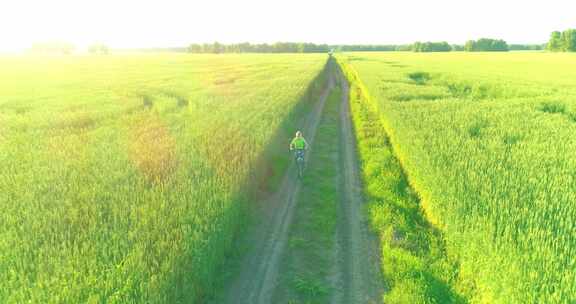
(419, 78)
(475, 130)
(553, 107)
(152, 149)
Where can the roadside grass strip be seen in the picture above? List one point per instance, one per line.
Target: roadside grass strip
(414, 262)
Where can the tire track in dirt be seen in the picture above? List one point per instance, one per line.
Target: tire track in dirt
(258, 275)
(357, 277)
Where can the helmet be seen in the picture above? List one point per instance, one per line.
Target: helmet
(298, 134)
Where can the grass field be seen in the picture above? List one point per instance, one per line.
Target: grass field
(122, 177)
(487, 142)
(127, 178)
(413, 258)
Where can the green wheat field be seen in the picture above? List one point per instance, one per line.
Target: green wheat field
(122, 176)
(488, 142)
(126, 178)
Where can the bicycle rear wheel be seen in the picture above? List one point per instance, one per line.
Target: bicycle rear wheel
(300, 164)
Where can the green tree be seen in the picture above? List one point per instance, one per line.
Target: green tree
(53, 47)
(217, 48)
(457, 48)
(431, 47)
(486, 45)
(470, 46)
(195, 48)
(526, 47)
(555, 43)
(569, 40)
(99, 49)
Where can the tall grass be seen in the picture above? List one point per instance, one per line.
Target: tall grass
(413, 258)
(487, 142)
(123, 178)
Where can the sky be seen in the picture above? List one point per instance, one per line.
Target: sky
(172, 23)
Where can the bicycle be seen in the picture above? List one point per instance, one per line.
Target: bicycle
(300, 162)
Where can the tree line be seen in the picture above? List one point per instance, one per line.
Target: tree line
(559, 41)
(246, 47)
(291, 47)
(431, 47)
(527, 47)
(52, 47)
(371, 48)
(562, 41)
(480, 45)
(65, 48)
(98, 48)
(486, 45)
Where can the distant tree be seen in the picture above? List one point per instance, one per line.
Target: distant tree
(261, 48)
(98, 49)
(244, 47)
(195, 48)
(217, 48)
(470, 46)
(53, 47)
(431, 47)
(569, 39)
(526, 47)
(555, 43)
(417, 46)
(486, 45)
(300, 48)
(285, 47)
(67, 49)
(370, 48)
(403, 48)
(443, 47)
(457, 48)
(289, 47)
(562, 41)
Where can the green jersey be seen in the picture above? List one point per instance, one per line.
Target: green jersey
(298, 143)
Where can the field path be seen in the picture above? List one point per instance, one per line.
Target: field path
(259, 271)
(357, 277)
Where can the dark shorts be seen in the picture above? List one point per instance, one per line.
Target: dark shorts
(299, 153)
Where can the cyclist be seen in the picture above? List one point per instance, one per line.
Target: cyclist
(299, 145)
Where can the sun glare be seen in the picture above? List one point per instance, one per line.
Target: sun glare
(128, 24)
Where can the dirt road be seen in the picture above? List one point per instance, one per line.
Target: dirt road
(259, 272)
(356, 275)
